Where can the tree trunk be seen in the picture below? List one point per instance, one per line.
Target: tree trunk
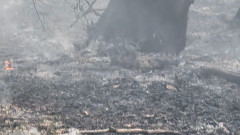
(157, 25)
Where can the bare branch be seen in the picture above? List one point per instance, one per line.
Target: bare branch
(39, 18)
(88, 11)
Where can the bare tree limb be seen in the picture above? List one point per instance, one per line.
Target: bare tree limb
(85, 13)
(39, 18)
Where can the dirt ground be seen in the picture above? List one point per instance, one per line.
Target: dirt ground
(195, 93)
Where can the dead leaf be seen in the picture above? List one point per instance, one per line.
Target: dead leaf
(127, 125)
(149, 115)
(86, 112)
(170, 87)
(116, 86)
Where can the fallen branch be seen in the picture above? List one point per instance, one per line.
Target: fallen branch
(229, 76)
(129, 131)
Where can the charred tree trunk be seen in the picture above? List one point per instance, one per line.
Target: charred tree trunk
(157, 25)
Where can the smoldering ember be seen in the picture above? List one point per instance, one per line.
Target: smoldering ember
(75, 67)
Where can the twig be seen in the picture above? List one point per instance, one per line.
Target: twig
(39, 18)
(129, 131)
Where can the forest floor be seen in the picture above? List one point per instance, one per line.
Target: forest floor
(189, 94)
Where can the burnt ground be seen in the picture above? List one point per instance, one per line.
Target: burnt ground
(194, 93)
(89, 92)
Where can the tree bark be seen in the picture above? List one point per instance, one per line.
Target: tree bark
(157, 25)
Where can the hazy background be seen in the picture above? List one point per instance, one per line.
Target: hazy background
(22, 33)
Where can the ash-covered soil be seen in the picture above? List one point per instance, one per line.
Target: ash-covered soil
(90, 93)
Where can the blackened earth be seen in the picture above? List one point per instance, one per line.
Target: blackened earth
(90, 93)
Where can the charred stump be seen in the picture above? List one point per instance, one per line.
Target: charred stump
(157, 25)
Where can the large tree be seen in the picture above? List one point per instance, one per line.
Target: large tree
(157, 25)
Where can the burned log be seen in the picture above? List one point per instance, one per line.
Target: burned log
(157, 25)
(229, 76)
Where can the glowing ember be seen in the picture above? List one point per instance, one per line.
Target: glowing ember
(8, 66)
